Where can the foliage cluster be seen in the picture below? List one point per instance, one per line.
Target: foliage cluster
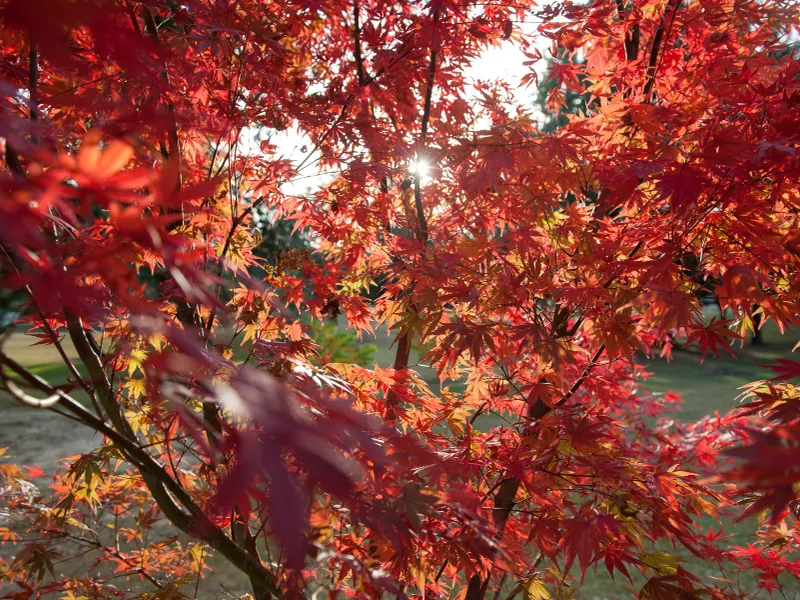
(531, 263)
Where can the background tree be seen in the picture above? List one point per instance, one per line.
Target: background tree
(532, 264)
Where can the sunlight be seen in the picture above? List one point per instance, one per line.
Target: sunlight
(421, 169)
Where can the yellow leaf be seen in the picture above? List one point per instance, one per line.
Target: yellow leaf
(136, 419)
(251, 332)
(77, 524)
(662, 562)
(158, 341)
(198, 555)
(321, 535)
(88, 494)
(239, 248)
(674, 470)
(477, 389)
(135, 387)
(744, 325)
(420, 575)
(456, 421)
(536, 590)
(135, 360)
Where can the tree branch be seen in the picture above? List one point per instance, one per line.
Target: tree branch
(33, 82)
(632, 36)
(161, 485)
(362, 77)
(658, 39)
(173, 149)
(422, 223)
(54, 337)
(505, 498)
(403, 353)
(23, 398)
(247, 211)
(11, 155)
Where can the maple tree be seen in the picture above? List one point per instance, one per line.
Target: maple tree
(530, 266)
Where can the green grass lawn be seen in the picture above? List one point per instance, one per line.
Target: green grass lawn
(713, 384)
(705, 388)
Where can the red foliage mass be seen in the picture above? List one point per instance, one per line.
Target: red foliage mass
(141, 162)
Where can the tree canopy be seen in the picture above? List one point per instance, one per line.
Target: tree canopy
(145, 145)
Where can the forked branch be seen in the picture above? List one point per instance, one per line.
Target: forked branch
(166, 491)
